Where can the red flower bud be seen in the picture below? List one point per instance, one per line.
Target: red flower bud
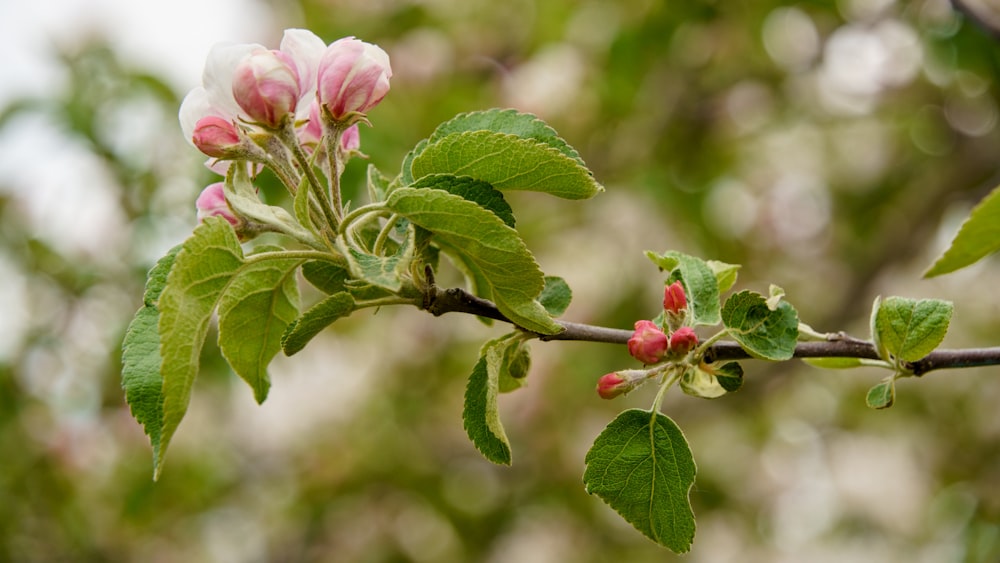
(682, 341)
(215, 136)
(648, 343)
(611, 385)
(674, 300)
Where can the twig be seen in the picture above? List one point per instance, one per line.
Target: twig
(439, 301)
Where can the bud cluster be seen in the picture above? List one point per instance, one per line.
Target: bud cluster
(274, 107)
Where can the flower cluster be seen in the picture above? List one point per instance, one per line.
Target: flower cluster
(653, 342)
(271, 107)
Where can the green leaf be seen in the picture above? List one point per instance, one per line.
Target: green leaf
(328, 277)
(313, 321)
(730, 376)
(494, 249)
(254, 311)
(141, 378)
(514, 366)
(883, 395)
(883, 352)
(207, 262)
(700, 383)
(473, 190)
(523, 125)
(302, 206)
(507, 162)
(555, 296)
(382, 271)
(480, 415)
(642, 467)
(241, 195)
(378, 184)
(764, 333)
(911, 329)
(835, 363)
(700, 283)
(725, 274)
(406, 174)
(978, 237)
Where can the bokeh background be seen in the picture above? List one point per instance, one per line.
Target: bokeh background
(831, 148)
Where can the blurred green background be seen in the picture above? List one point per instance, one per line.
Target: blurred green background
(831, 148)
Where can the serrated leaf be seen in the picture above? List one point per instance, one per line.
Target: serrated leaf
(507, 162)
(725, 274)
(378, 184)
(141, 378)
(406, 173)
(764, 333)
(382, 271)
(700, 284)
(241, 195)
(642, 467)
(883, 395)
(496, 251)
(207, 262)
(978, 237)
(481, 418)
(313, 321)
(473, 190)
(555, 296)
(259, 303)
(524, 125)
(911, 329)
(328, 277)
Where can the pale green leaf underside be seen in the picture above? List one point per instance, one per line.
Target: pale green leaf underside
(700, 282)
(313, 321)
(510, 121)
(254, 311)
(642, 467)
(507, 162)
(203, 269)
(978, 237)
(141, 378)
(494, 249)
(762, 332)
(911, 329)
(481, 418)
(882, 395)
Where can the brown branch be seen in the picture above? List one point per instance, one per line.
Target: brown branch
(839, 345)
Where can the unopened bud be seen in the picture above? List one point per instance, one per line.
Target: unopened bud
(674, 299)
(215, 137)
(353, 77)
(212, 202)
(648, 343)
(266, 86)
(682, 341)
(617, 383)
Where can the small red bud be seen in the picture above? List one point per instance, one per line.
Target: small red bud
(215, 137)
(611, 385)
(674, 299)
(682, 341)
(648, 343)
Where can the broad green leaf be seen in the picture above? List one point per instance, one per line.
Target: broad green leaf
(978, 237)
(493, 248)
(524, 125)
(556, 295)
(700, 283)
(328, 277)
(254, 311)
(507, 162)
(382, 271)
(725, 274)
(764, 333)
(699, 383)
(642, 467)
(141, 378)
(473, 190)
(480, 415)
(313, 321)
(911, 329)
(207, 262)
(406, 174)
(883, 395)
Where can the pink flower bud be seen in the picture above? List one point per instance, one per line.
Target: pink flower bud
(212, 202)
(353, 76)
(682, 341)
(215, 136)
(266, 86)
(611, 385)
(674, 300)
(648, 343)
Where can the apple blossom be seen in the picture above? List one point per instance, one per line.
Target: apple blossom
(648, 343)
(353, 77)
(682, 341)
(266, 86)
(212, 202)
(215, 136)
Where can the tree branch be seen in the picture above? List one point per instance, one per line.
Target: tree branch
(439, 301)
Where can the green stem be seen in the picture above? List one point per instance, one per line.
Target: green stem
(302, 254)
(672, 377)
(287, 136)
(384, 234)
(353, 215)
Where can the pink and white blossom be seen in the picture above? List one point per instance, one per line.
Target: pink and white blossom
(266, 86)
(212, 202)
(353, 77)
